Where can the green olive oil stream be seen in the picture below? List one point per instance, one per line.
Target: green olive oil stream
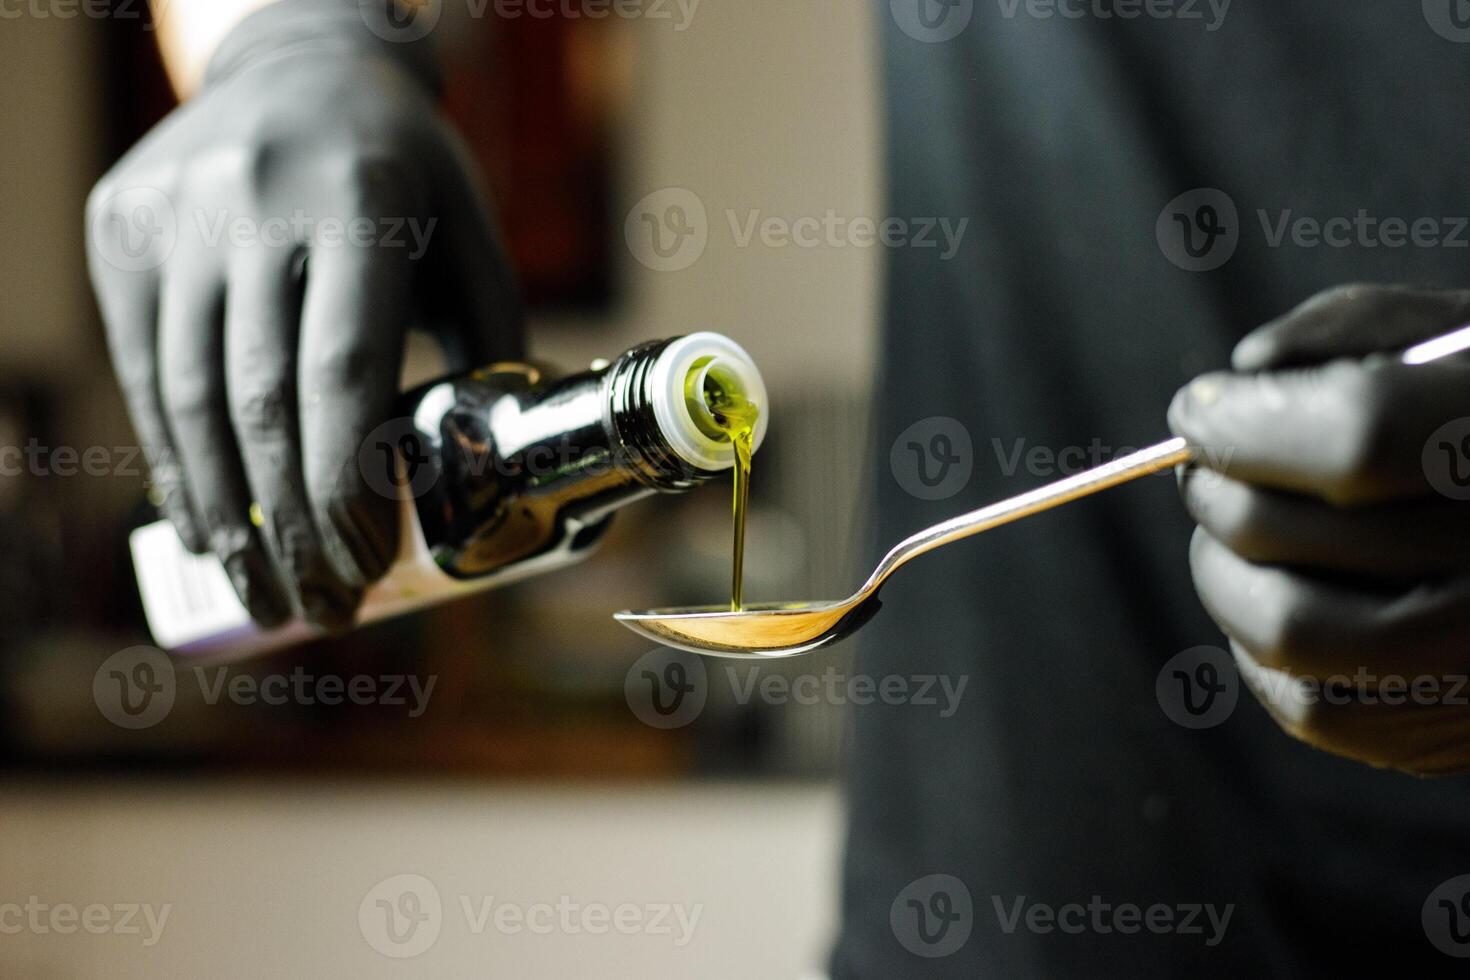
(734, 416)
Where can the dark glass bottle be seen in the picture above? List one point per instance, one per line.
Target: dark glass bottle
(502, 473)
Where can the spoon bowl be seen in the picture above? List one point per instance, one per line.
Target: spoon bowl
(756, 631)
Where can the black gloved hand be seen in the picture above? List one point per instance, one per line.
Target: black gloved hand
(1334, 537)
(258, 258)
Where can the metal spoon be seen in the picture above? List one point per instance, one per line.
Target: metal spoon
(774, 630)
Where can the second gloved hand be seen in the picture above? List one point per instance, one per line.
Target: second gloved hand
(1333, 503)
(258, 259)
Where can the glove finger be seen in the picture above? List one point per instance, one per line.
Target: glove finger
(129, 303)
(1309, 626)
(262, 323)
(468, 292)
(353, 329)
(1393, 541)
(1351, 321)
(1349, 432)
(1415, 723)
(191, 357)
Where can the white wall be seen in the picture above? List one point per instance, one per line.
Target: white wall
(760, 105)
(49, 145)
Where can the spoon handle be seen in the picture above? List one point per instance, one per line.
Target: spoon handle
(1163, 456)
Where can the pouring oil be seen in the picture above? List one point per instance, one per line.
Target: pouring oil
(734, 417)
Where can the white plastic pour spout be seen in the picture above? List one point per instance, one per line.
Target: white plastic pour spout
(683, 366)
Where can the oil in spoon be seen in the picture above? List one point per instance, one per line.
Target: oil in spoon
(735, 416)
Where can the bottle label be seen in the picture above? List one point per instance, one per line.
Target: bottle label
(192, 608)
(185, 596)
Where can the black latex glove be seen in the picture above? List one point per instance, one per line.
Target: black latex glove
(1334, 538)
(258, 337)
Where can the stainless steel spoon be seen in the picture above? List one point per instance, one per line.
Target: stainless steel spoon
(789, 628)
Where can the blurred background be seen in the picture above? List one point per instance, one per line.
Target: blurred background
(526, 775)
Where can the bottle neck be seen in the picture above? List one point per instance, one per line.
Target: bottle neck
(641, 447)
(522, 467)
